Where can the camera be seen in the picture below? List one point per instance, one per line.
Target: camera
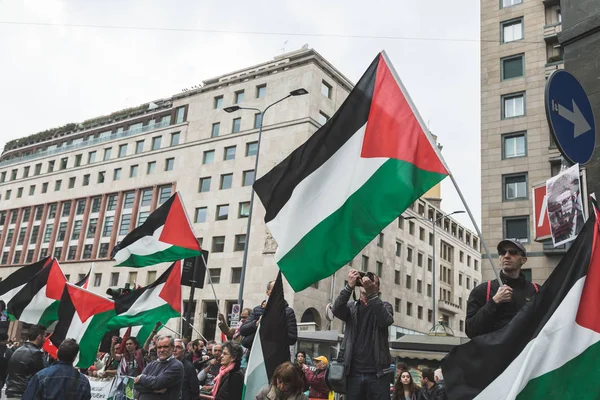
(369, 275)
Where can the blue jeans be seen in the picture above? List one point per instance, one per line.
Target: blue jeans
(367, 387)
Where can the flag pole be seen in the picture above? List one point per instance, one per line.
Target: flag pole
(196, 330)
(435, 148)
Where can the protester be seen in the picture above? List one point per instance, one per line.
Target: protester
(439, 377)
(162, 378)
(25, 362)
(318, 388)
(301, 360)
(234, 333)
(208, 374)
(108, 365)
(229, 383)
(5, 354)
(367, 355)
(132, 359)
(190, 388)
(429, 389)
(405, 388)
(286, 384)
(491, 307)
(197, 349)
(248, 329)
(60, 380)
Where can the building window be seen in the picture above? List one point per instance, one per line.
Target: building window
(20, 192)
(63, 163)
(38, 167)
(408, 282)
(216, 127)
(91, 157)
(150, 277)
(142, 217)
(222, 212)
(422, 234)
(57, 185)
(244, 210)
(133, 171)
(515, 186)
(513, 105)
(419, 259)
(248, 178)
(128, 200)
(34, 234)
(21, 238)
(151, 168)
(257, 120)
(96, 204)
(101, 175)
(108, 226)
(117, 174)
(397, 304)
(179, 114)
(409, 254)
(125, 224)
(92, 228)
(409, 309)
(32, 189)
(51, 165)
(326, 89)
(87, 251)
(66, 209)
(365, 263)
(208, 157)
(2, 180)
(516, 228)
(510, 3)
(156, 142)
(512, 30)
(71, 182)
(71, 252)
(7, 197)
(379, 269)
(226, 180)
(380, 240)
(237, 122)
(146, 197)
(239, 96)
(411, 228)
(240, 243)
(26, 172)
(514, 145)
(251, 149)
(261, 91)
(122, 150)
(204, 185)
(397, 277)
(76, 229)
(218, 102)
(139, 146)
(200, 215)
(169, 163)
(322, 118)
(420, 312)
(107, 154)
(97, 280)
(428, 290)
(132, 278)
(218, 244)
(512, 67)
(164, 194)
(17, 257)
(114, 279)
(86, 180)
(229, 153)
(398, 249)
(236, 275)
(215, 275)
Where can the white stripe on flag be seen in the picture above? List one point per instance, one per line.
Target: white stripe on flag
(36, 307)
(256, 371)
(148, 301)
(143, 247)
(11, 293)
(77, 330)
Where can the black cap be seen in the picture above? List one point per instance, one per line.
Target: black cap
(518, 244)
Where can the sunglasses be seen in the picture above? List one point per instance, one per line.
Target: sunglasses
(512, 252)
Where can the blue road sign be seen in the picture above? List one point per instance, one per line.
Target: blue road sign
(570, 117)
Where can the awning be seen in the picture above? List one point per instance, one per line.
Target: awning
(419, 355)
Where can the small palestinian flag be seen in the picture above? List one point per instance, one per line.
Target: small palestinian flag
(37, 302)
(13, 283)
(166, 236)
(328, 199)
(157, 302)
(550, 349)
(82, 315)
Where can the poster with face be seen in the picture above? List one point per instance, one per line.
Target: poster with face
(565, 210)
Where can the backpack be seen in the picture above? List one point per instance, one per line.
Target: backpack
(489, 290)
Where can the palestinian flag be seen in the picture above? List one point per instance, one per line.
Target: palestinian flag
(353, 177)
(82, 315)
(157, 302)
(10, 286)
(270, 348)
(37, 302)
(166, 236)
(85, 281)
(550, 349)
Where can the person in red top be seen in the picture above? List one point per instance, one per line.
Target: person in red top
(318, 388)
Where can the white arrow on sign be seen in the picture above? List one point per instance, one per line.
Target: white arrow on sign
(580, 125)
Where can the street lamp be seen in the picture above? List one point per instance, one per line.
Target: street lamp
(230, 109)
(433, 222)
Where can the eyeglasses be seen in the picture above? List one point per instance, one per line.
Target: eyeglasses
(512, 252)
(163, 347)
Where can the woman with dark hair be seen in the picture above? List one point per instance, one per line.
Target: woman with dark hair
(229, 384)
(287, 383)
(405, 388)
(132, 359)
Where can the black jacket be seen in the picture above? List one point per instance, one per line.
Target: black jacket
(25, 362)
(487, 316)
(190, 388)
(5, 355)
(437, 392)
(346, 310)
(249, 328)
(231, 385)
(160, 375)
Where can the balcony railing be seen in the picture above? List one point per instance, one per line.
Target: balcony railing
(551, 32)
(448, 306)
(85, 143)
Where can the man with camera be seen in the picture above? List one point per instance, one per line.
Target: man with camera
(366, 349)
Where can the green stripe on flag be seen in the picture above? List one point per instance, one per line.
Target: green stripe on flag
(168, 255)
(340, 236)
(150, 317)
(89, 342)
(50, 314)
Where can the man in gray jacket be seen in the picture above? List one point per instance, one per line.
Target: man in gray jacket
(162, 378)
(366, 348)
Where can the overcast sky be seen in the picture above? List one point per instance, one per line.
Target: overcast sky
(67, 61)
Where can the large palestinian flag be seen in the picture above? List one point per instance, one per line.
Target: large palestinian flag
(37, 302)
(550, 350)
(166, 236)
(157, 302)
(83, 316)
(270, 347)
(13, 283)
(331, 196)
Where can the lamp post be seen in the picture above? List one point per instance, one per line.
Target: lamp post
(433, 222)
(230, 109)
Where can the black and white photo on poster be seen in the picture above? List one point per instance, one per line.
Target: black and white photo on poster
(565, 210)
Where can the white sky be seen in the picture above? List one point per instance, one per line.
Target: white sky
(54, 74)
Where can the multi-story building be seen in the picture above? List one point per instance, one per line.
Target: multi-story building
(76, 191)
(519, 49)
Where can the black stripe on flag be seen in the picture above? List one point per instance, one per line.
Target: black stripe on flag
(66, 311)
(273, 329)
(22, 276)
(275, 187)
(124, 302)
(18, 303)
(473, 366)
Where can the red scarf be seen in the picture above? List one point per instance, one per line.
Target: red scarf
(222, 372)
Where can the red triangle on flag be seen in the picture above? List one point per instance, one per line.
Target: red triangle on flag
(88, 304)
(177, 230)
(50, 348)
(393, 130)
(56, 281)
(171, 291)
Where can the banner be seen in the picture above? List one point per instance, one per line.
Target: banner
(565, 210)
(118, 388)
(101, 388)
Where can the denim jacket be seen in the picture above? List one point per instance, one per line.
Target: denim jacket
(58, 381)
